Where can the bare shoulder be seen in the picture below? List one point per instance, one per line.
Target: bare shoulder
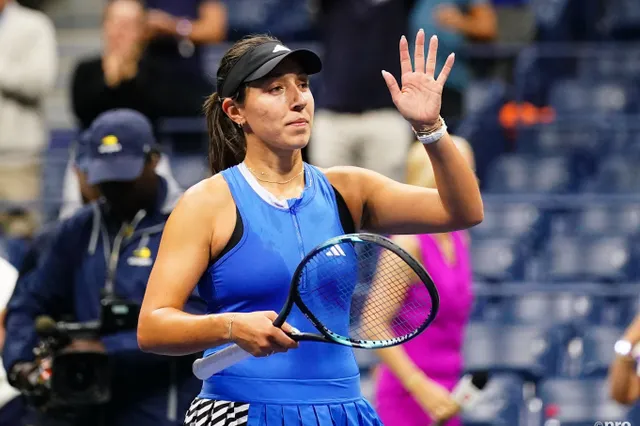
(349, 182)
(348, 179)
(209, 208)
(202, 204)
(210, 194)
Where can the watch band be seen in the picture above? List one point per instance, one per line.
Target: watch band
(427, 138)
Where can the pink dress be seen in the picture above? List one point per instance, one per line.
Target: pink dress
(438, 350)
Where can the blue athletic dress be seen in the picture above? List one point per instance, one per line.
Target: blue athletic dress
(317, 384)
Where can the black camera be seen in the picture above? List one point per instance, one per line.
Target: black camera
(80, 377)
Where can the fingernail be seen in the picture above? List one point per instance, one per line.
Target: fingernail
(404, 38)
(383, 71)
(421, 30)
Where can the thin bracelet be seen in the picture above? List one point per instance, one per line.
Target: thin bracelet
(231, 324)
(433, 134)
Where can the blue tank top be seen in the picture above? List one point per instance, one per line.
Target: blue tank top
(255, 275)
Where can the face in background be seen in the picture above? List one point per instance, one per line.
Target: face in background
(278, 109)
(127, 198)
(419, 169)
(123, 26)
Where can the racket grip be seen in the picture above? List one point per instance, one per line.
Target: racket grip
(206, 367)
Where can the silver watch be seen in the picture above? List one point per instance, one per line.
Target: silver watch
(623, 348)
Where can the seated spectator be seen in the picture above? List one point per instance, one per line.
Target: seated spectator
(28, 65)
(123, 76)
(414, 381)
(72, 277)
(177, 31)
(116, 78)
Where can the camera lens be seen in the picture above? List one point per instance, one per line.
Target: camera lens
(81, 375)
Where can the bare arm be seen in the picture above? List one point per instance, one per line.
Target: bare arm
(623, 379)
(481, 23)
(183, 256)
(211, 25)
(393, 207)
(197, 230)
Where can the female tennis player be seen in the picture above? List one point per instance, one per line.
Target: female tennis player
(414, 381)
(239, 235)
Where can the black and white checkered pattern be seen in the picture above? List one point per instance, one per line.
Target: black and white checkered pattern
(207, 412)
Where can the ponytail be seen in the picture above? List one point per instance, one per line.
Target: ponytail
(227, 145)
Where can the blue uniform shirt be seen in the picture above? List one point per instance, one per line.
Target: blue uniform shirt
(255, 275)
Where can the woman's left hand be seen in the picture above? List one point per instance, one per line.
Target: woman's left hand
(420, 98)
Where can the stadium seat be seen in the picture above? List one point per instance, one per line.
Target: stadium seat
(580, 402)
(615, 63)
(571, 97)
(497, 259)
(616, 174)
(520, 220)
(481, 94)
(622, 19)
(486, 308)
(598, 352)
(514, 173)
(566, 135)
(600, 220)
(604, 259)
(579, 97)
(549, 308)
(531, 351)
(501, 402)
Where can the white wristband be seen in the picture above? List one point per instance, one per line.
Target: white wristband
(433, 137)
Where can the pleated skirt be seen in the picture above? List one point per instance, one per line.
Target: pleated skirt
(207, 412)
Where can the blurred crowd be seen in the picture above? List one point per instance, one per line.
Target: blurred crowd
(153, 66)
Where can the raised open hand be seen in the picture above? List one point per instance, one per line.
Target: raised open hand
(420, 98)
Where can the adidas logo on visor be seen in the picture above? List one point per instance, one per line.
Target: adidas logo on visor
(280, 48)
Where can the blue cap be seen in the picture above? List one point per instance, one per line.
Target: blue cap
(81, 151)
(119, 142)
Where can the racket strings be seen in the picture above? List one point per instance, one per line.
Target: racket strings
(363, 293)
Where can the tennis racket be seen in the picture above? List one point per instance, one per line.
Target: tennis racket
(352, 289)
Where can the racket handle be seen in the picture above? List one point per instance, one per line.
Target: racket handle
(206, 367)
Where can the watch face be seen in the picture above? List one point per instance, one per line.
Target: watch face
(622, 347)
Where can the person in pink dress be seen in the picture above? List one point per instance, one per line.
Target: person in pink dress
(414, 380)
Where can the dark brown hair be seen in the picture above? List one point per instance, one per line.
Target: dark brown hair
(227, 144)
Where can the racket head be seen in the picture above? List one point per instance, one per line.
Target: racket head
(353, 289)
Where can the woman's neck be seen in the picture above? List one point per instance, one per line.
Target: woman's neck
(281, 173)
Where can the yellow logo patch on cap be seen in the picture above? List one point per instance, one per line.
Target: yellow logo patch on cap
(141, 257)
(109, 145)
